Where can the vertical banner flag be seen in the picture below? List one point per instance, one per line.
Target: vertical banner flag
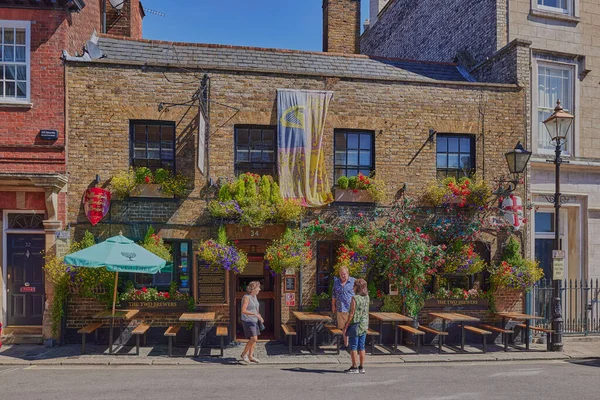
(301, 157)
(201, 140)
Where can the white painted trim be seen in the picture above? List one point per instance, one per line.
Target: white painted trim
(569, 11)
(6, 231)
(7, 23)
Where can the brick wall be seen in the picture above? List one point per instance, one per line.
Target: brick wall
(125, 22)
(434, 30)
(341, 26)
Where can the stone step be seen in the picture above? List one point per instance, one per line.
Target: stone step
(21, 338)
(22, 330)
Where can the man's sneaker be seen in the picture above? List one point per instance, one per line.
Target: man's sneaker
(351, 370)
(361, 370)
(245, 359)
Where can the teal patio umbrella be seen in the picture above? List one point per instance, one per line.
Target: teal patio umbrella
(117, 254)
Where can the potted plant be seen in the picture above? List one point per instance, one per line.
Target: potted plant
(289, 253)
(142, 182)
(155, 244)
(360, 189)
(221, 254)
(514, 272)
(151, 299)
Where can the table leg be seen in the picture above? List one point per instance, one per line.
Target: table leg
(315, 339)
(381, 332)
(110, 337)
(195, 339)
(527, 322)
(462, 336)
(395, 337)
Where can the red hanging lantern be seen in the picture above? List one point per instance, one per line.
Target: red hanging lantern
(96, 203)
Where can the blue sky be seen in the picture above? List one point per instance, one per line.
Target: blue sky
(290, 24)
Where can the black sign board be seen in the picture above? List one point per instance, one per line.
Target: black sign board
(49, 134)
(290, 283)
(212, 285)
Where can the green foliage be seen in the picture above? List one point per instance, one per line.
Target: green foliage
(315, 301)
(221, 254)
(155, 244)
(254, 200)
(392, 304)
(126, 182)
(515, 272)
(292, 251)
(143, 175)
(175, 185)
(465, 193)
(161, 176)
(123, 183)
(222, 236)
(461, 259)
(353, 182)
(343, 182)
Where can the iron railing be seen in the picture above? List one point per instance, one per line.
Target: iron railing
(580, 305)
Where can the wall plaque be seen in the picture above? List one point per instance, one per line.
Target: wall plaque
(290, 283)
(212, 285)
(49, 134)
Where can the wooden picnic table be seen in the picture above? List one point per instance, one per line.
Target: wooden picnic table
(506, 316)
(120, 315)
(389, 317)
(306, 318)
(455, 318)
(196, 318)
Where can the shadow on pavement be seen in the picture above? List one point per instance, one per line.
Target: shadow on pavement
(587, 363)
(313, 371)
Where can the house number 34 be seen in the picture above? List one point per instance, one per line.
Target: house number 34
(254, 233)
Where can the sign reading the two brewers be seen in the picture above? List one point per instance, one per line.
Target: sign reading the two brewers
(212, 285)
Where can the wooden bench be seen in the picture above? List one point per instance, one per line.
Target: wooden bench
(373, 334)
(337, 334)
(171, 333)
(548, 333)
(222, 333)
(504, 332)
(289, 332)
(434, 332)
(91, 328)
(409, 329)
(481, 332)
(138, 331)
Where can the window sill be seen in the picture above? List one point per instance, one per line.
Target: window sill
(8, 104)
(554, 15)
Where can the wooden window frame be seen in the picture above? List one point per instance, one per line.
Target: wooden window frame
(147, 123)
(336, 165)
(242, 166)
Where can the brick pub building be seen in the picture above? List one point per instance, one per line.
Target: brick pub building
(33, 164)
(151, 86)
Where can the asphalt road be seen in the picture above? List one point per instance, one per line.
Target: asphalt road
(464, 381)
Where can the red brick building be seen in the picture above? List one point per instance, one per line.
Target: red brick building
(33, 165)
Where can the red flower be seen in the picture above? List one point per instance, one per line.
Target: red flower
(147, 179)
(418, 230)
(307, 244)
(167, 295)
(144, 290)
(360, 215)
(355, 190)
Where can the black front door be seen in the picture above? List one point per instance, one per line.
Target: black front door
(25, 283)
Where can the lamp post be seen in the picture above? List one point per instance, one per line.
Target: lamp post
(558, 125)
(516, 160)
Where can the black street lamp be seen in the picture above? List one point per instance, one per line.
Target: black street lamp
(558, 125)
(516, 160)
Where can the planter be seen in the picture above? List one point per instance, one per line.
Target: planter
(375, 304)
(325, 304)
(352, 196)
(462, 304)
(155, 305)
(150, 190)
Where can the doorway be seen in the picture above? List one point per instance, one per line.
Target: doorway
(25, 279)
(268, 297)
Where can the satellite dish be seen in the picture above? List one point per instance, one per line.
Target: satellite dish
(117, 4)
(93, 50)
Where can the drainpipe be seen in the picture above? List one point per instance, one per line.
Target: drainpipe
(103, 16)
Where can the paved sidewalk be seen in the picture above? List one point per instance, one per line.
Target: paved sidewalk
(277, 354)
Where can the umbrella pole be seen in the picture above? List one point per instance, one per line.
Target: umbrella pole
(115, 293)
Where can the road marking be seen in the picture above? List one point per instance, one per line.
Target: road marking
(453, 396)
(6, 371)
(518, 372)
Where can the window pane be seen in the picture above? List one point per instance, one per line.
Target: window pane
(139, 153)
(243, 155)
(339, 172)
(22, 90)
(20, 54)
(465, 145)
(352, 140)
(255, 155)
(9, 53)
(1, 88)
(340, 141)
(11, 90)
(351, 172)
(10, 72)
(255, 137)
(20, 38)
(465, 161)
(442, 144)
(340, 158)
(544, 222)
(242, 137)
(21, 73)
(139, 132)
(365, 158)
(365, 172)
(442, 161)
(168, 134)
(9, 36)
(352, 157)
(153, 133)
(365, 141)
(453, 160)
(453, 145)
(268, 156)
(269, 139)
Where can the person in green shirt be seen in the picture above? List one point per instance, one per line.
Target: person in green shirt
(357, 326)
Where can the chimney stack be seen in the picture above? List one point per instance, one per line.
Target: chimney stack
(126, 21)
(375, 7)
(341, 26)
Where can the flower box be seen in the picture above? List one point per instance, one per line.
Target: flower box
(462, 304)
(155, 305)
(353, 196)
(150, 190)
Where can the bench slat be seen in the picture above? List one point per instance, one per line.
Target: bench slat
(334, 330)
(411, 330)
(536, 328)
(90, 328)
(288, 330)
(495, 329)
(172, 331)
(140, 329)
(222, 331)
(477, 330)
(371, 332)
(431, 330)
